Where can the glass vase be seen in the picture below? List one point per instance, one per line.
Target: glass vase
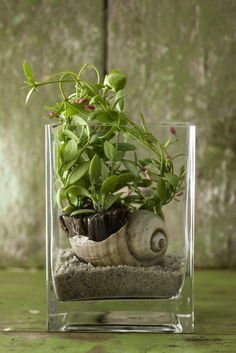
(151, 296)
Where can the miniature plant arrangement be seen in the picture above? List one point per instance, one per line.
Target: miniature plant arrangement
(101, 190)
(111, 187)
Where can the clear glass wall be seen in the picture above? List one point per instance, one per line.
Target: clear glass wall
(125, 285)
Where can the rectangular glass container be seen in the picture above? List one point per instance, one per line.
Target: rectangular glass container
(83, 297)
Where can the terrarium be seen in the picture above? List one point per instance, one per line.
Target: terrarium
(119, 212)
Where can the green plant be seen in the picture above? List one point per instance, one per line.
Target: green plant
(96, 169)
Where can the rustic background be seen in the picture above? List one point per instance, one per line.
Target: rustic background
(180, 58)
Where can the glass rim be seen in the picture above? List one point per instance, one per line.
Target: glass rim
(181, 124)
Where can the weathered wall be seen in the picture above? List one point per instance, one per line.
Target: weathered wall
(51, 35)
(180, 59)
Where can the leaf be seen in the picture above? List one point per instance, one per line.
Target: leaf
(109, 184)
(104, 170)
(123, 146)
(95, 169)
(102, 116)
(28, 72)
(77, 190)
(109, 150)
(124, 178)
(70, 134)
(57, 108)
(115, 80)
(78, 173)
(68, 165)
(111, 200)
(69, 209)
(85, 210)
(143, 123)
(118, 156)
(172, 179)
(70, 151)
(131, 166)
(29, 94)
(119, 100)
(161, 190)
(75, 109)
(108, 134)
(79, 120)
(60, 197)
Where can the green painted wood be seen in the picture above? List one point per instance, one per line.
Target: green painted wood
(180, 58)
(115, 343)
(22, 308)
(52, 35)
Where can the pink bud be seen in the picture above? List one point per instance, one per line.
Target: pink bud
(172, 130)
(89, 107)
(80, 100)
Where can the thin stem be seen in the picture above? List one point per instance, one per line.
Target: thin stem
(92, 67)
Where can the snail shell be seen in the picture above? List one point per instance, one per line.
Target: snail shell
(142, 241)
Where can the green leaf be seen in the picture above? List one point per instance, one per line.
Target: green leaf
(28, 72)
(68, 165)
(78, 173)
(104, 170)
(119, 101)
(57, 108)
(131, 166)
(108, 134)
(172, 179)
(118, 156)
(124, 178)
(111, 200)
(143, 123)
(113, 115)
(70, 151)
(69, 209)
(161, 190)
(75, 109)
(115, 80)
(77, 190)
(102, 116)
(109, 184)
(95, 169)
(109, 150)
(60, 197)
(85, 210)
(79, 120)
(70, 134)
(123, 146)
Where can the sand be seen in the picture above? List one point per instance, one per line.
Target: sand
(74, 279)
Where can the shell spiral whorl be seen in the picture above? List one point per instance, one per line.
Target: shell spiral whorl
(142, 241)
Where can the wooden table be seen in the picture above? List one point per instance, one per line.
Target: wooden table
(23, 307)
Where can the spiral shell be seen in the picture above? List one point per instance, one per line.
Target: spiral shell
(142, 241)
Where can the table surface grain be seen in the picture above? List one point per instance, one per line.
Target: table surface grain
(23, 324)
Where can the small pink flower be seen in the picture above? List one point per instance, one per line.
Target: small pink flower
(89, 107)
(172, 130)
(80, 100)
